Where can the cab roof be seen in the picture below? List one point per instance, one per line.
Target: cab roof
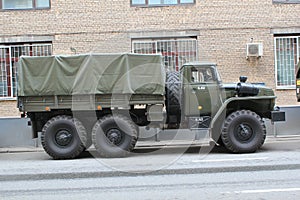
(199, 63)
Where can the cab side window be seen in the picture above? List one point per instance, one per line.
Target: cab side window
(201, 75)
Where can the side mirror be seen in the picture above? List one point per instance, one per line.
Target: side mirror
(243, 79)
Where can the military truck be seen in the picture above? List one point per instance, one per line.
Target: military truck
(103, 99)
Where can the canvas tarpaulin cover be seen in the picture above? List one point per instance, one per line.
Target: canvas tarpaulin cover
(91, 74)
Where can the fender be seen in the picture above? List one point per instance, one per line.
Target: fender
(216, 123)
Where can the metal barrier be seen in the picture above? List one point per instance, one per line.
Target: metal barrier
(15, 132)
(291, 126)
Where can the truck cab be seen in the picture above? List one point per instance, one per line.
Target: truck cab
(202, 93)
(202, 89)
(231, 113)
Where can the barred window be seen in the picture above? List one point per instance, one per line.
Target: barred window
(160, 2)
(24, 4)
(9, 56)
(287, 52)
(176, 51)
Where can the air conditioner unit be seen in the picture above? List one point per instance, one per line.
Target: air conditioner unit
(254, 50)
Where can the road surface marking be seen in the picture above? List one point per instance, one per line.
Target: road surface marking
(266, 191)
(230, 160)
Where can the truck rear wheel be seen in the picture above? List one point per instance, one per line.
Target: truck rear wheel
(63, 137)
(243, 132)
(114, 136)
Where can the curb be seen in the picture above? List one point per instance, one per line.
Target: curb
(21, 149)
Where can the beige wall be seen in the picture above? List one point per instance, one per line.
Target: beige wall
(224, 26)
(9, 109)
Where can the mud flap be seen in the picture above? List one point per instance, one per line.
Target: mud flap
(277, 116)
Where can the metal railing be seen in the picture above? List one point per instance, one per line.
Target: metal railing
(9, 57)
(176, 52)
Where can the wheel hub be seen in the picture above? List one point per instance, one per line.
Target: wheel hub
(114, 136)
(63, 137)
(244, 132)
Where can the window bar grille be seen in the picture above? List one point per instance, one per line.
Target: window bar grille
(9, 56)
(286, 59)
(175, 52)
(4, 67)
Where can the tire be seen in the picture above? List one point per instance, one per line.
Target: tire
(243, 132)
(63, 137)
(173, 97)
(114, 136)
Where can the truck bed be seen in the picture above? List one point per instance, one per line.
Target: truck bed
(85, 102)
(85, 82)
(91, 74)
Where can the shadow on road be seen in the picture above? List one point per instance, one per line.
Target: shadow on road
(166, 150)
(268, 147)
(273, 146)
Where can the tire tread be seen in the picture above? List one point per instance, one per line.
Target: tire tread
(225, 135)
(122, 153)
(82, 136)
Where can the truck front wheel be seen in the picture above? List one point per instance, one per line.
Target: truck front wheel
(243, 132)
(63, 137)
(114, 136)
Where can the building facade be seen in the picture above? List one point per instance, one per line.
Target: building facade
(258, 38)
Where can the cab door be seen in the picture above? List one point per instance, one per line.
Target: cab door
(202, 95)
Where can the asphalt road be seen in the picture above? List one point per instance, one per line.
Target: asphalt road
(271, 173)
(283, 184)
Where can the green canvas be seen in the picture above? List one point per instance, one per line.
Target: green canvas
(91, 74)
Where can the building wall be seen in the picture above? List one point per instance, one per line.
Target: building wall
(224, 26)
(8, 109)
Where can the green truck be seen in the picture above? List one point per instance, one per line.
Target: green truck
(102, 100)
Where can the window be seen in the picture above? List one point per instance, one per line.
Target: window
(287, 52)
(24, 4)
(160, 2)
(9, 56)
(202, 75)
(286, 1)
(176, 51)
